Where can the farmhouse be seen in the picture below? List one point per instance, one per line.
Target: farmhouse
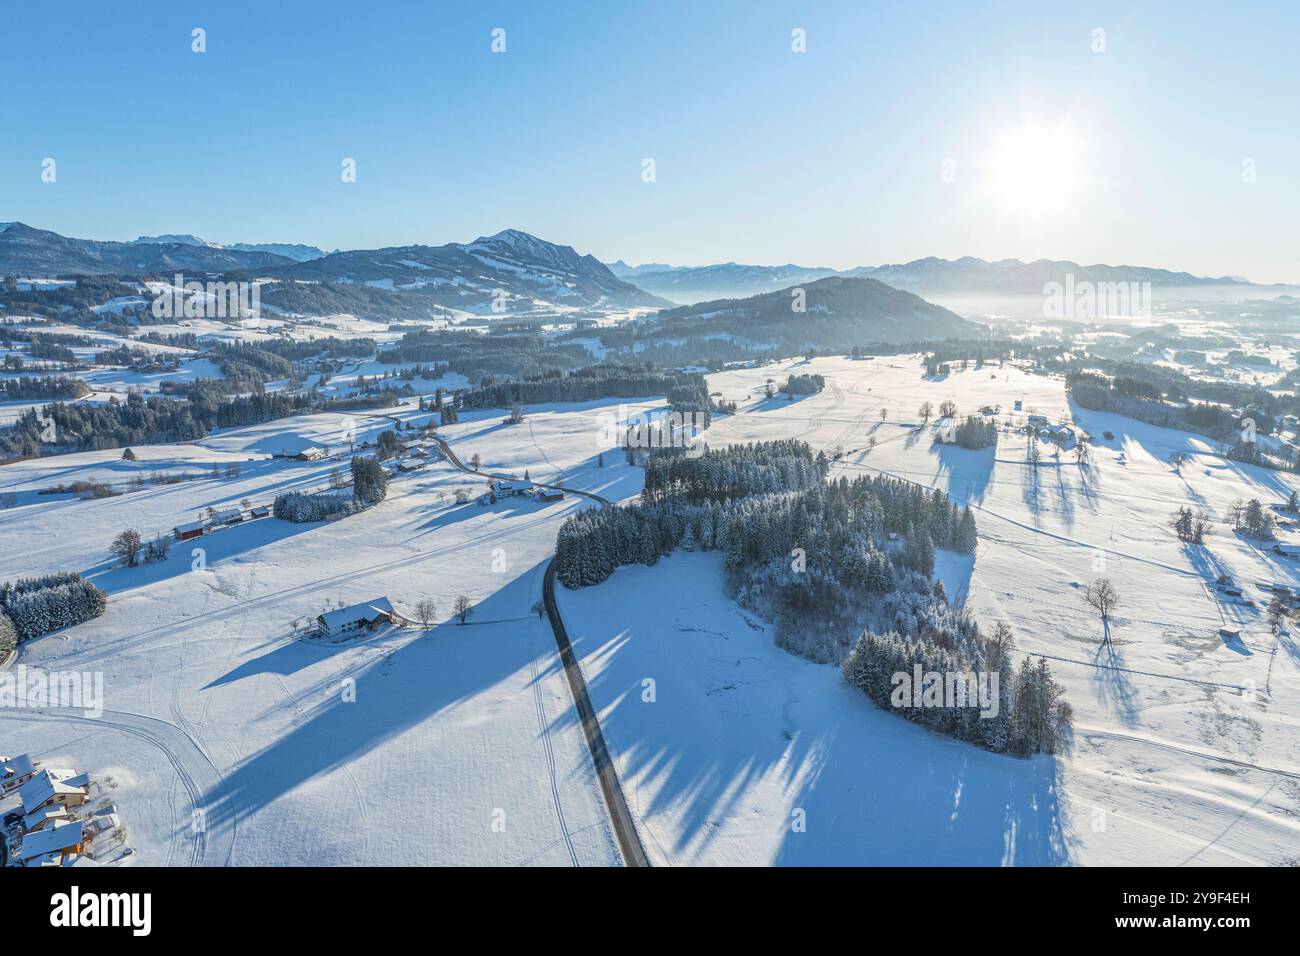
(1288, 550)
(311, 453)
(195, 529)
(229, 516)
(259, 511)
(504, 489)
(359, 617)
(550, 494)
(15, 771)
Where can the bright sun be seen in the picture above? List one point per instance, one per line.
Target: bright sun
(1036, 170)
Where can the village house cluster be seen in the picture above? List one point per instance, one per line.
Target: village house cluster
(54, 822)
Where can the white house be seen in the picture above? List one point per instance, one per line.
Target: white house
(349, 620)
(15, 771)
(502, 488)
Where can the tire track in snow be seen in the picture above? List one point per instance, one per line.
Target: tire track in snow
(1087, 731)
(629, 840)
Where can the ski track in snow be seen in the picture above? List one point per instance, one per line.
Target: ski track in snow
(193, 768)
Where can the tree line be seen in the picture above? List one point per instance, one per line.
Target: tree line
(35, 606)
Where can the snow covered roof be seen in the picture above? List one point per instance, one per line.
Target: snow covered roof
(366, 611)
(55, 839)
(511, 485)
(190, 526)
(44, 787)
(38, 818)
(230, 514)
(15, 768)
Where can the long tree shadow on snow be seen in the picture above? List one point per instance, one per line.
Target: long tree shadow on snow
(413, 682)
(874, 788)
(967, 471)
(973, 809)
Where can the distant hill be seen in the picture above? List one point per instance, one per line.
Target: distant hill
(840, 312)
(728, 280)
(25, 250)
(290, 250)
(930, 276)
(1014, 277)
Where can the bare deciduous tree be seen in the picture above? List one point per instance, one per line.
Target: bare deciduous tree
(463, 608)
(425, 611)
(1103, 596)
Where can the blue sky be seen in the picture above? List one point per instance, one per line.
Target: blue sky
(897, 135)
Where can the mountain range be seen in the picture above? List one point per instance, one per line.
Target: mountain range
(930, 276)
(290, 250)
(467, 275)
(25, 250)
(512, 267)
(525, 273)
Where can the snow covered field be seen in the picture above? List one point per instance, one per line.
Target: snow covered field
(1185, 748)
(462, 745)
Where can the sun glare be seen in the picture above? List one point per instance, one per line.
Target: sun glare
(1036, 170)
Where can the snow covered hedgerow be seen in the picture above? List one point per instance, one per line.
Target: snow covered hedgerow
(37, 606)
